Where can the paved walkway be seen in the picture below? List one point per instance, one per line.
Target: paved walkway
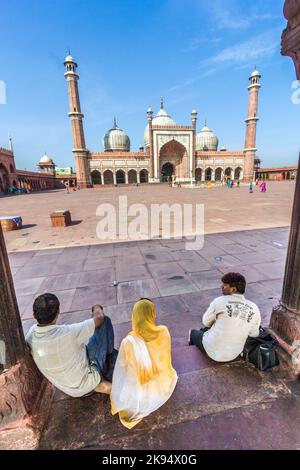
(225, 209)
(227, 406)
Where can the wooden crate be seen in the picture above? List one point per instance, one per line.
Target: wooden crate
(61, 219)
(8, 225)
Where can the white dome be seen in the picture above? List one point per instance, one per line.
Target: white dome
(161, 119)
(69, 58)
(255, 73)
(116, 140)
(46, 159)
(206, 140)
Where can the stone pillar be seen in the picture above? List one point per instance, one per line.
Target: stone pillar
(138, 177)
(151, 150)
(193, 156)
(115, 178)
(251, 125)
(285, 319)
(25, 396)
(213, 175)
(203, 176)
(81, 153)
(126, 177)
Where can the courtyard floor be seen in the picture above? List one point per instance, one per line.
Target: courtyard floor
(215, 406)
(225, 210)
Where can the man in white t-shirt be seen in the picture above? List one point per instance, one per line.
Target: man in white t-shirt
(77, 359)
(229, 320)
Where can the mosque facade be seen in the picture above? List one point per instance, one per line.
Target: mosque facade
(170, 151)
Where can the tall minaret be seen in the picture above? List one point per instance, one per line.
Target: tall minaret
(251, 124)
(80, 151)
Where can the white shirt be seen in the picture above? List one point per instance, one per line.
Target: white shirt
(232, 319)
(59, 352)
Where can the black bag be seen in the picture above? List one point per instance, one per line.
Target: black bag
(261, 351)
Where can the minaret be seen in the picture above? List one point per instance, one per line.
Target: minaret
(193, 156)
(151, 155)
(251, 124)
(81, 153)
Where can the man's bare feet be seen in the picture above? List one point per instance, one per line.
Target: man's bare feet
(103, 387)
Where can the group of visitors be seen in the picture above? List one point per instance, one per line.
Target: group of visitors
(80, 359)
(263, 186)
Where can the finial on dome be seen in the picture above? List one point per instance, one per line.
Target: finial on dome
(161, 103)
(205, 122)
(115, 123)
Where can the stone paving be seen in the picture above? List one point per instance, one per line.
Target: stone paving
(215, 406)
(225, 210)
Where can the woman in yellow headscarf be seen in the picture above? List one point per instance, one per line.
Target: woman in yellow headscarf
(144, 378)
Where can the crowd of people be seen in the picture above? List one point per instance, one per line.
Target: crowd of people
(81, 359)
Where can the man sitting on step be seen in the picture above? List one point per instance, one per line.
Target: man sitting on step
(78, 359)
(228, 322)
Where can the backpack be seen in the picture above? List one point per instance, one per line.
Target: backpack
(261, 351)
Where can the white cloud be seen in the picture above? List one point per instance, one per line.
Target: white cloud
(254, 49)
(245, 54)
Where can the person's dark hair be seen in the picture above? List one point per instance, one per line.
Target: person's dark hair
(236, 280)
(45, 308)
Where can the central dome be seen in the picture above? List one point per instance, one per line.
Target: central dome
(116, 140)
(161, 119)
(206, 140)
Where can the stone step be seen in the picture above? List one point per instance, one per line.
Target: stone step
(205, 389)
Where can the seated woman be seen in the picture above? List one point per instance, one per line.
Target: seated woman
(143, 378)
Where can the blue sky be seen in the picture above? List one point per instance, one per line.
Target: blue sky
(194, 53)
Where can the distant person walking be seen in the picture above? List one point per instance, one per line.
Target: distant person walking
(232, 184)
(238, 184)
(228, 183)
(251, 187)
(263, 187)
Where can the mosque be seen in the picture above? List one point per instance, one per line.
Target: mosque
(170, 150)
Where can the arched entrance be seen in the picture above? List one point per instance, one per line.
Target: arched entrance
(167, 172)
(143, 176)
(175, 154)
(4, 178)
(237, 173)
(108, 177)
(198, 175)
(208, 173)
(132, 177)
(96, 177)
(228, 172)
(218, 174)
(120, 176)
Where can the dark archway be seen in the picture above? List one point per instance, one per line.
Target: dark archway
(108, 177)
(167, 171)
(132, 176)
(237, 173)
(4, 177)
(143, 176)
(218, 174)
(96, 177)
(288, 175)
(120, 176)
(198, 174)
(208, 173)
(228, 172)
